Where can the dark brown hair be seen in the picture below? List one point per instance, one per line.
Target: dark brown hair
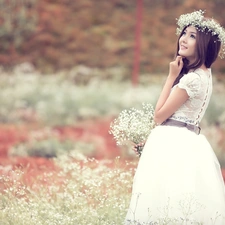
(207, 50)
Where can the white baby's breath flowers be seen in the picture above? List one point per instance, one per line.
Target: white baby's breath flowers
(133, 125)
(201, 23)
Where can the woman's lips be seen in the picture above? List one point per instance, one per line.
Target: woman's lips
(182, 47)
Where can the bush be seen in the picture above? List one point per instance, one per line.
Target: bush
(51, 147)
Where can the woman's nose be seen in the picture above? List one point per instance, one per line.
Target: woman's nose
(184, 39)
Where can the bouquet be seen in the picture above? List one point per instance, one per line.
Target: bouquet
(133, 125)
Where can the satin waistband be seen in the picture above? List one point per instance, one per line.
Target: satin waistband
(176, 123)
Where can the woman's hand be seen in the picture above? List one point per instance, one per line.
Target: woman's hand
(137, 148)
(176, 66)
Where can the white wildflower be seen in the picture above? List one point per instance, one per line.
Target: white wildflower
(133, 125)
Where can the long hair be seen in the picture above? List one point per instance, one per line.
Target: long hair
(207, 50)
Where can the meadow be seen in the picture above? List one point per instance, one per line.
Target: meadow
(79, 191)
(48, 178)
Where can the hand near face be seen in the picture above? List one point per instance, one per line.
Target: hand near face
(176, 66)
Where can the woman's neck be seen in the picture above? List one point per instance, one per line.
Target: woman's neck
(203, 67)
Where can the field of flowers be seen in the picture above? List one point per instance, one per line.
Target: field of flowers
(77, 190)
(59, 164)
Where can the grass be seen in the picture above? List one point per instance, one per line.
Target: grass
(83, 191)
(55, 100)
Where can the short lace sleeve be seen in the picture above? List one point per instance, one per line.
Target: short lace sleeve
(191, 83)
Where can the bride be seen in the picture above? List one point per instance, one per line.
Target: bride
(178, 179)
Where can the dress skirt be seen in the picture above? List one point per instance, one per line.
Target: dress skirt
(178, 181)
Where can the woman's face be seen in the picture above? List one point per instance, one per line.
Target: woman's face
(187, 43)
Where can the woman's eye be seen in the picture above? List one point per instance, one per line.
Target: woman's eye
(193, 36)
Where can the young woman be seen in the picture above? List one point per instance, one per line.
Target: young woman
(178, 179)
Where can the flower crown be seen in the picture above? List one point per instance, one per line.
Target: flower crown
(197, 20)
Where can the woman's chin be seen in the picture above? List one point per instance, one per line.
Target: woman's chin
(181, 54)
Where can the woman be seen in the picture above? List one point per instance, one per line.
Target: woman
(178, 179)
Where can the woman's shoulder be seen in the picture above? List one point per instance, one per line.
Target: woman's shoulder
(198, 74)
(202, 71)
(191, 76)
(191, 82)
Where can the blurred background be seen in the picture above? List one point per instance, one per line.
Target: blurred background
(59, 35)
(67, 68)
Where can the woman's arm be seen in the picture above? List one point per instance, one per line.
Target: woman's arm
(168, 103)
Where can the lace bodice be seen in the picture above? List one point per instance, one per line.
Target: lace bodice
(198, 85)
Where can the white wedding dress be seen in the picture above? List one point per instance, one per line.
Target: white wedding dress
(178, 179)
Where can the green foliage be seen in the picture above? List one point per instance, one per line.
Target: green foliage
(51, 147)
(18, 21)
(215, 112)
(55, 100)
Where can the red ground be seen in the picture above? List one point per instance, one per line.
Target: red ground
(96, 132)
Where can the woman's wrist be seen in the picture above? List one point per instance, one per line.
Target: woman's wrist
(170, 81)
(171, 77)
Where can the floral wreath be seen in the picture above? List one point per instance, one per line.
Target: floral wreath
(197, 20)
